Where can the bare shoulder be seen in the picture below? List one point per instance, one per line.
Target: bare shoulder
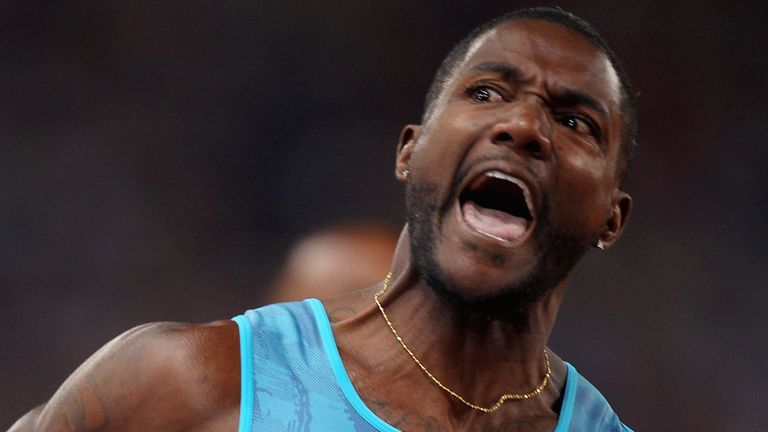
(159, 376)
(349, 305)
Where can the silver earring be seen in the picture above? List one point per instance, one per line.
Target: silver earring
(406, 172)
(600, 244)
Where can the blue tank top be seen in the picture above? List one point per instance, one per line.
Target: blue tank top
(293, 380)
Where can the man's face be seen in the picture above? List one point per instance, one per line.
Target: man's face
(514, 174)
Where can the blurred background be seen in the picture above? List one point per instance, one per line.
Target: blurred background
(158, 159)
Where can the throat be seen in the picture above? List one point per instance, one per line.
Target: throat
(479, 362)
(529, 361)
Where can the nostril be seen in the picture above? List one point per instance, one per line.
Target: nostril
(503, 137)
(533, 147)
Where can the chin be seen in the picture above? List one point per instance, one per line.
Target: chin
(481, 274)
(489, 280)
(480, 283)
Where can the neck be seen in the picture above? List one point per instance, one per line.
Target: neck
(477, 355)
(471, 345)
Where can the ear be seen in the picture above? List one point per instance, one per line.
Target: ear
(621, 207)
(408, 138)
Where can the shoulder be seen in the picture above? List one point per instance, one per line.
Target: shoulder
(202, 359)
(350, 305)
(156, 376)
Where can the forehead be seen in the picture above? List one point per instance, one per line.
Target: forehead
(550, 54)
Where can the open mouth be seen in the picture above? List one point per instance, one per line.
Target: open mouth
(497, 205)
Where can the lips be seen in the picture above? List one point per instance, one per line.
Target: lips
(498, 205)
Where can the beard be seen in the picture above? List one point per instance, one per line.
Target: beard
(556, 253)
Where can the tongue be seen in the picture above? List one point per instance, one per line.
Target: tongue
(494, 223)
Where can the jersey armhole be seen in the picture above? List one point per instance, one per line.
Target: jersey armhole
(246, 373)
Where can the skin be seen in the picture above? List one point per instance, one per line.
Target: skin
(532, 131)
(575, 170)
(161, 376)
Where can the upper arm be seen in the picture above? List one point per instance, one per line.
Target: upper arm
(161, 376)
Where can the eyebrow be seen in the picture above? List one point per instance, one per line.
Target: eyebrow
(571, 98)
(506, 71)
(563, 97)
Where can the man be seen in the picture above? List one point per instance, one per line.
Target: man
(335, 261)
(514, 172)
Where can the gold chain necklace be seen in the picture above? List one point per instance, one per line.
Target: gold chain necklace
(492, 408)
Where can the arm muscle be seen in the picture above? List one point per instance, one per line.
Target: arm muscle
(161, 376)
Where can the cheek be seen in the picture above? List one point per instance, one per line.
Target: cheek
(443, 144)
(581, 199)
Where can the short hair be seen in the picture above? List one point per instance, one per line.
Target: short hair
(566, 19)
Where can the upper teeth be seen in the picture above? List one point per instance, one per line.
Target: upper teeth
(509, 178)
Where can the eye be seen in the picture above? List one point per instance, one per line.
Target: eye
(580, 124)
(484, 93)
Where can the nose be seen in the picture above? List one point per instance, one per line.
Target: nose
(525, 129)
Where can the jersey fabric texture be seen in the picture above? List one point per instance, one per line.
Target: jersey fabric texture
(293, 380)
